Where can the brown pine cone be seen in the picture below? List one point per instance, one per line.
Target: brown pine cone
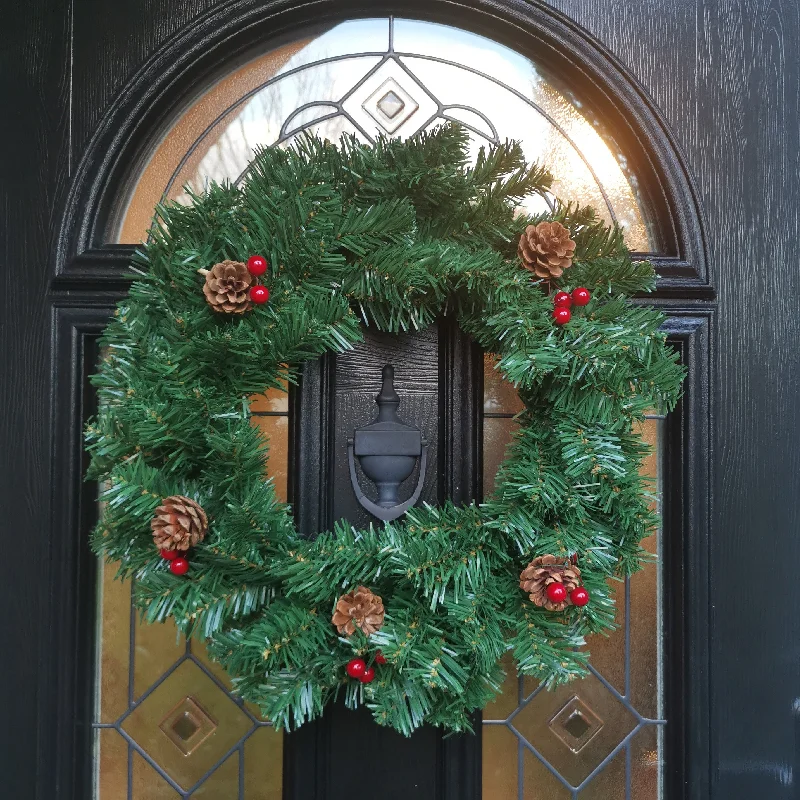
(179, 523)
(358, 609)
(546, 249)
(227, 287)
(543, 571)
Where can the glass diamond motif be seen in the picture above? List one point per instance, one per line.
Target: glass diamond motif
(187, 726)
(575, 724)
(390, 105)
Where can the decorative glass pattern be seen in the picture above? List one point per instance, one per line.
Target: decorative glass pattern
(601, 737)
(397, 77)
(390, 105)
(167, 723)
(188, 725)
(576, 724)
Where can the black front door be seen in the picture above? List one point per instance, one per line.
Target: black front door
(692, 107)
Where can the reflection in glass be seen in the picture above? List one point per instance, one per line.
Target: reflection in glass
(499, 396)
(391, 76)
(601, 737)
(275, 428)
(167, 722)
(145, 724)
(538, 723)
(146, 782)
(497, 433)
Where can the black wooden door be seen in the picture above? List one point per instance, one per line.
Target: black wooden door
(702, 99)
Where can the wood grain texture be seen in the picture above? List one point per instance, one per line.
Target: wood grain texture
(110, 47)
(726, 76)
(34, 130)
(747, 162)
(656, 40)
(415, 358)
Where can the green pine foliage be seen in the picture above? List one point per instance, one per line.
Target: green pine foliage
(391, 235)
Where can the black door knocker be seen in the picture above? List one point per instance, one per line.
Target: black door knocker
(387, 450)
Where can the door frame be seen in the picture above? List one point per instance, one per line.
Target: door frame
(91, 276)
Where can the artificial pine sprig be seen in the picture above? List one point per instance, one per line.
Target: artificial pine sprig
(390, 235)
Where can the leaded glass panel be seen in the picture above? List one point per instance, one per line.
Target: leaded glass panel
(167, 723)
(397, 77)
(601, 737)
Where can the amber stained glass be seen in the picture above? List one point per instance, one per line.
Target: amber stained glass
(601, 737)
(167, 722)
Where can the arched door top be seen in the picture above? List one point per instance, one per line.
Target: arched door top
(260, 77)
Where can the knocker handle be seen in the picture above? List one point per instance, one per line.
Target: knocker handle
(393, 512)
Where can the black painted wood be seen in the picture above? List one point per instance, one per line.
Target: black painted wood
(415, 358)
(67, 693)
(694, 86)
(34, 170)
(685, 518)
(437, 375)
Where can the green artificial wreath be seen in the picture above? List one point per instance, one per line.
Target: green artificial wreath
(389, 235)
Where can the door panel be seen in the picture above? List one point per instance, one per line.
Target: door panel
(355, 753)
(437, 378)
(724, 79)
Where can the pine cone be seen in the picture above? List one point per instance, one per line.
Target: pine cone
(227, 287)
(543, 571)
(546, 249)
(179, 523)
(359, 609)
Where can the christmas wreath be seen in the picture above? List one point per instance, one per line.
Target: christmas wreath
(412, 617)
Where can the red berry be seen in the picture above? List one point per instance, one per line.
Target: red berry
(579, 596)
(170, 555)
(561, 315)
(581, 296)
(562, 299)
(179, 566)
(556, 593)
(259, 294)
(380, 658)
(257, 265)
(356, 668)
(368, 676)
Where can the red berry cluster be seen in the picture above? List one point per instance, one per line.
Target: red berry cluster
(178, 563)
(357, 668)
(257, 265)
(563, 302)
(557, 593)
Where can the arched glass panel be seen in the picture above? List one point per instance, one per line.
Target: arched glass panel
(397, 77)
